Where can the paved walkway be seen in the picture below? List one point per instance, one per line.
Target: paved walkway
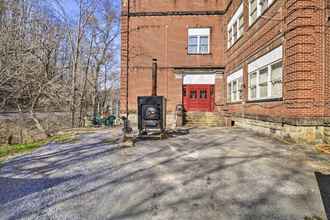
(208, 174)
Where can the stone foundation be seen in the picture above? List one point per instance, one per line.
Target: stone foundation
(297, 134)
(204, 119)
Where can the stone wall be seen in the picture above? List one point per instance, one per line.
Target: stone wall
(20, 128)
(290, 133)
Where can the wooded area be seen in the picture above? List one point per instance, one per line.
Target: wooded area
(51, 60)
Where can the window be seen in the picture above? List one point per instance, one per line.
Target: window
(263, 5)
(235, 32)
(263, 83)
(276, 80)
(204, 44)
(229, 92)
(265, 76)
(253, 85)
(240, 25)
(203, 94)
(235, 86)
(266, 82)
(230, 37)
(253, 11)
(235, 26)
(199, 40)
(193, 44)
(240, 88)
(256, 8)
(193, 94)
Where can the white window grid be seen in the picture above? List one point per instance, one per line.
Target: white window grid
(269, 82)
(234, 91)
(199, 36)
(262, 6)
(235, 30)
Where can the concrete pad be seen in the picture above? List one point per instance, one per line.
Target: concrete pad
(217, 173)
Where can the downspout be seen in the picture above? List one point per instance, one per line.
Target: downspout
(127, 56)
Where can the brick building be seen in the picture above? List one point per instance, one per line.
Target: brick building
(259, 64)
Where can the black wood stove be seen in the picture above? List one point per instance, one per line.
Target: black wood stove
(152, 109)
(151, 113)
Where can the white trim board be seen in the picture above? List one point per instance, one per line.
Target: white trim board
(268, 58)
(238, 13)
(207, 79)
(235, 75)
(199, 31)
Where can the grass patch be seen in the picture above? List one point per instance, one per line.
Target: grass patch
(10, 150)
(63, 138)
(313, 218)
(111, 141)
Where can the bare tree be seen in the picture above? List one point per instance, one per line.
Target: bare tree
(49, 60)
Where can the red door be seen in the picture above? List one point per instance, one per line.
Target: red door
(198, 98)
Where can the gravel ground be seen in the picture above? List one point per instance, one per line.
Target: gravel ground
(207, 174)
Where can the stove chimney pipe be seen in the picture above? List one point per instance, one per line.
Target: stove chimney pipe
(154, 77)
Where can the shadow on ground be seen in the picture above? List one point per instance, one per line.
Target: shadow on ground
(207, 174)
(15, 188)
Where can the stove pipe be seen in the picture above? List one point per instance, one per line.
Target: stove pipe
(154, 77)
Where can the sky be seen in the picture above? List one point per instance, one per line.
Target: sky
(71, 6)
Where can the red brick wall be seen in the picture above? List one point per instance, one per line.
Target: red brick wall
(263, 36)
(305, 87)
(327, 54)
(298, 27)
(176, 5)
(124, 61)
(165, 38)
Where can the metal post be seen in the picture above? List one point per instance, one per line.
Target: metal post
(127, 56)
(154, 77)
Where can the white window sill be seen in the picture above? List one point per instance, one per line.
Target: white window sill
(273, 99)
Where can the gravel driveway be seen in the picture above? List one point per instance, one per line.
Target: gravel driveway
(208, 174)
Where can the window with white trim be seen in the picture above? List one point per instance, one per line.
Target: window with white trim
(198, 40)
(241, 25)
(266, 82)
(235, 27)
(229, 92)
(276, 79)
(265, 76)
(253, 85)
(263, 83)
(257, 8)
(230, 37)
(253, 11)
(235, 87)
(263, 5)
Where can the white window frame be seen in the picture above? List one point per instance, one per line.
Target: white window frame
(233, 78)
(266, 61)
(260, 11)
(199, 32)
(249, 87)
(233, 25)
